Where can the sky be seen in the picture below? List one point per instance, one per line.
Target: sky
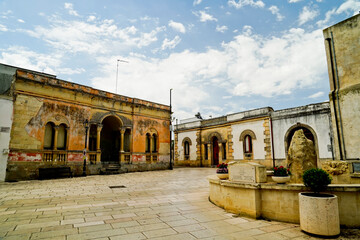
(219, 57)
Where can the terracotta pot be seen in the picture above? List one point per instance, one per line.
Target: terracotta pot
(281, 179)
(319, 214)
(222, 176)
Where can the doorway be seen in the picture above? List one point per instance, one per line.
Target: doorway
(110, 140)
(215, 153)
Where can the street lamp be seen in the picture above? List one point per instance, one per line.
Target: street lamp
(117, 70)
(86, 125)
(171, 167)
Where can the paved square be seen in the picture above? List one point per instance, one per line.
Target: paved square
(153, 205)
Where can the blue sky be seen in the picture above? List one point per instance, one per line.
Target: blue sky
(219, 57)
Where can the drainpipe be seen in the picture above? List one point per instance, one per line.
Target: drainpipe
(330, 42)
(335, 96)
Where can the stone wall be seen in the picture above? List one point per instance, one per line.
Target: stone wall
(343, 59)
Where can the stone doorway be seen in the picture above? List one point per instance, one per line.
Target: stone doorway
(110, 140)
(215, 153)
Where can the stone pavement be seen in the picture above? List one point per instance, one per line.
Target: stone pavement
(148, 205)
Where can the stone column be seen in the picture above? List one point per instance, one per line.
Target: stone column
(56, 128)
(98, 149)
(202, 154)
(122, 157)
(220, 152)
(209, 154)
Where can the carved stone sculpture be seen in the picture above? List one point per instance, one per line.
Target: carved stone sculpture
(301, 156)
(335, 167)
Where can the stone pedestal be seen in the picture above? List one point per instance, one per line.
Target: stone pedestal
(247, 172)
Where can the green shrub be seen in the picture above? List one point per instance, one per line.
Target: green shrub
(317, 179)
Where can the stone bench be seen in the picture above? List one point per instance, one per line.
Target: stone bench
(55, 172)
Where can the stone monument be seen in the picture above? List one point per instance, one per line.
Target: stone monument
(301, 156)
(247, 172)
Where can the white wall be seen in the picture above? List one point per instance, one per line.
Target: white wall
(6, 109)
(192, 136)
(318, 122)
(258, 143)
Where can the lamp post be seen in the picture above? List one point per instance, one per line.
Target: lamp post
(170, 167)
(86, 124)
(117, 70)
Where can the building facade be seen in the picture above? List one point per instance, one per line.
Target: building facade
(53, 121)
(343, 59)
(261, 135)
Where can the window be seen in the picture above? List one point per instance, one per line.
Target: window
(147, 143)
(127, 136)
(154, 143)
(186, 150)
(247, 144)
(49, 136)
(61, 137)
(206, 151)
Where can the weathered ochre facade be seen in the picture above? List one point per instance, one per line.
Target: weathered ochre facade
(49, 130)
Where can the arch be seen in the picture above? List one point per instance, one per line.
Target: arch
(58, 119)
(247, 132)
(215, 134)
(99, 118)
(110, 138)
(309, 133)
(186, 139)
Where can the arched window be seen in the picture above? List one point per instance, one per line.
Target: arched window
(186, 150)
(49, 136)
(147, 143)
(248, 144)
(61, 137)
(154, 143)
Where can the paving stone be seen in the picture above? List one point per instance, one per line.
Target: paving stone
(132, 236)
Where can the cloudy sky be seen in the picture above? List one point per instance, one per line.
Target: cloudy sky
(219, 56)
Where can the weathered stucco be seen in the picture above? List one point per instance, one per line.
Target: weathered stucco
(6, 107)
(39, 99)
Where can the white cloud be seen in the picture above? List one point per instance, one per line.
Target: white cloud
(316, 95)
(98, 37)
(249, 65)
(242, 3)
(307, 14)
(91, 18)
(70, 7)
(21, 21)
(294, 1)
(177, 26)
(170, 44)
(3, 28)
(197, 2)
(275, 10)
(204, 17)
(348, 7)
(221, 29)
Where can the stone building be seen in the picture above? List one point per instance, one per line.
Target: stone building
(53, 121)
(261, 135)
(343, 59)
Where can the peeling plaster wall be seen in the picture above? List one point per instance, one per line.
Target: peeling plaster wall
(6, 108)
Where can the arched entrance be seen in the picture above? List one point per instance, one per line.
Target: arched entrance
(215, 152)
(308, 132)
(110, 139)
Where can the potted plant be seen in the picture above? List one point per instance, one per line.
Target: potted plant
(319, 212)
(222, 171)
(281, 174)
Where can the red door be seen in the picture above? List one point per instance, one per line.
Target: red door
(215, 151)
